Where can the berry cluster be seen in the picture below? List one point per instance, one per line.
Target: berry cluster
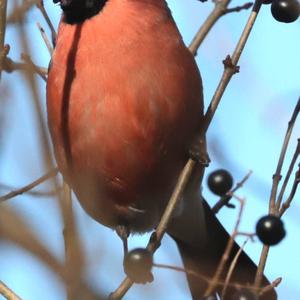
(285, 11)
(270, 228)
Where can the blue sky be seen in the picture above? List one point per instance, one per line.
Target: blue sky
(247, 133)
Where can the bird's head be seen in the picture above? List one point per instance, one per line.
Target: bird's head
(76, 11)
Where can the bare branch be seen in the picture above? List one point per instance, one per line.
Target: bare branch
(29, 186)
(287, 177)
(3, 52)
(238, 8)
(10, 66)
(227, 250)
(277, 175)
(40, 5)
(45, 38)
(7, 293)
(290, 198)
(226, 198)
(231, 269)
(271, 286)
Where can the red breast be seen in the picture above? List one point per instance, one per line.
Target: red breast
(124, 100)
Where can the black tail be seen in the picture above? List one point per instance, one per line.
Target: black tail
(205, 260)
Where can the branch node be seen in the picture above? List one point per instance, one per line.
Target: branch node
(229, 65)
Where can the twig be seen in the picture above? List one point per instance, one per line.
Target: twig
(277, 175)
(3, 7)
(219, 10)
(238, 8)
(29, 186)
(31, 65)
(290, 198)
(45, 38)
(276, 179)
(231, 66)
(231, 269)
(271, 286)
(6, 292)
(227, 250)
(287, 177)
(41, 7)
(73, 255)
(14, 229)
(9, 66)
(225, 199)
(20, 10)
(34, 193)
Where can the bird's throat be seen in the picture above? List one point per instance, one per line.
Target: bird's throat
(77, 11)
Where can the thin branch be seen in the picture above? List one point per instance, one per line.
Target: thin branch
(34, 193)
(287, 177)
(40, 5)
(271, 286)
(10, 66)
(219, 10)
(14, 229)
(30, 186)
(231, 66)
(45, 38)
(20, 10)
(73, 254)
(277, 175)
(224, 201)
(7, 293)
(3, 52)
(290, 198)
(272, 201)
(238, 8)
(227, 250)
(231, 269)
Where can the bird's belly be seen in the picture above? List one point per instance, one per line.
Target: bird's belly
(121, 131)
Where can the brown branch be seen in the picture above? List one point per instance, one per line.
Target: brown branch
(270, 287)
(231, 269)
(40, 5)
(10, 66)
(45, 38)
(272, 201)
(14, 229)
(73, 253)
(224, 201)
(238, 8)
(20, 10)
(290, 198)
(277, 175)
(3, 52)
(287, 177)
(7, 293)
(30, 186)
(227, 250)
(34, 193)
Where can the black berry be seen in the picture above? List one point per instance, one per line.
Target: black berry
(138, 264)
(244, 294)
(220, 182)
(286, 11)
(270, 230)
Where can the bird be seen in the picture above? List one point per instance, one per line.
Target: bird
(124, 108)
